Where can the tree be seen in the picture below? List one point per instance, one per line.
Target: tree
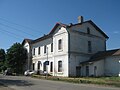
(16, 58)
(2, 60)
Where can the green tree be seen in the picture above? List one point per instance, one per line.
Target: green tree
(2, 60)
(16, 58)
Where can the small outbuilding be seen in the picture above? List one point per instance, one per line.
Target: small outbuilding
(103, 63)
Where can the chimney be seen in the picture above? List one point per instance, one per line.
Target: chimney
(80, 19)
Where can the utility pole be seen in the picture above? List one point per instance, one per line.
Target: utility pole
(47, 63)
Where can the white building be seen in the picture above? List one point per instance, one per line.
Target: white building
(67, 50)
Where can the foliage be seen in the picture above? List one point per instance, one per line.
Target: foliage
(2, 60)
(16, 58)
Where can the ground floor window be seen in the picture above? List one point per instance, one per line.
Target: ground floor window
(78, 71)
(87, 70)
(33, 66)
(39, 63)
(45, 65)
(51, 67)
(59, 66)
(95, 70)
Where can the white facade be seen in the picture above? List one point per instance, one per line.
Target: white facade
(72, 45)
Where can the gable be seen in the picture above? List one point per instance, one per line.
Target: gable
(59, 28)
(94, 29)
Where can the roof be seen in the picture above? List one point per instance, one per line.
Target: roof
(27, 40)
(102, 55)
(66, 26)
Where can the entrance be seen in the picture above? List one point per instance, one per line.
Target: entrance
(78, 71)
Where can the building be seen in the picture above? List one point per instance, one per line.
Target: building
(68, 50)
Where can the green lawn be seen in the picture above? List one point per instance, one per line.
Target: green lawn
(111, 81)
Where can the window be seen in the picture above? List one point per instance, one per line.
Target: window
(39, 51)
(51, 67)
(52, 47)
(45, 65)
(59, 66)
(87, 70)
(33, 66)
(88, 30)
(45, 49)
(39, 65)
(59, 44)
(33, 51)
(89, 47)
(95, 70)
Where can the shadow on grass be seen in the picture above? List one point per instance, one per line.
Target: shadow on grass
(7, 82)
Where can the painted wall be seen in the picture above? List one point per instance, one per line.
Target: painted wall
(56, 55)
(79, 46)
(112, 66)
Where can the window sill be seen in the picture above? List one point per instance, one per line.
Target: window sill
(60, 73)
(60, 50)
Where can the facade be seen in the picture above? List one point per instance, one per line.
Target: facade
(66, 49)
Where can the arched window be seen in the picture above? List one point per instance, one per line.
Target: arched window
(45, 65)
(59, 66)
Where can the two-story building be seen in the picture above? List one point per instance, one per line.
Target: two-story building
(67, 49)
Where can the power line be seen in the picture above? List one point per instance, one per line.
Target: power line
(9, 34)
(16, 29)
(3, 19)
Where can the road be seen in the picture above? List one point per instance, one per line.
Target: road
(28, 83)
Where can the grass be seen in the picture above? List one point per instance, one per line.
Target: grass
(109, 81)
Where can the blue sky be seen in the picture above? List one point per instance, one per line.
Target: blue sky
(21, 19)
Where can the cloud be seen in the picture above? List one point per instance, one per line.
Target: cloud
(116, 32)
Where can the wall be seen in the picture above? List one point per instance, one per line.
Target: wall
(79, 45)
(79, 39)
(56, 55)
(112, 66)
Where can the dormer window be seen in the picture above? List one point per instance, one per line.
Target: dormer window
(88, 30)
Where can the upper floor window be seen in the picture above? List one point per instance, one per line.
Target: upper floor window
(89, 47)
(45, 49)
(59, 44)
(52, 47)
(33, 51)
(38, 50)
(59, 66)
(88, 30)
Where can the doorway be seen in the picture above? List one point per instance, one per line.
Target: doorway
(78, 71)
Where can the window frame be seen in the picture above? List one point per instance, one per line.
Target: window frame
(33, 51)
(89, 46)
(51, 47)
(45, 49)
(60, 44)
(51, 66)
(60, 66)
(39, 50)
(88, 30)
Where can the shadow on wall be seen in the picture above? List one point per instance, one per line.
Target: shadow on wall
(15, 82)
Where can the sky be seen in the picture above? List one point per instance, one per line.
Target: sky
(32, 19)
